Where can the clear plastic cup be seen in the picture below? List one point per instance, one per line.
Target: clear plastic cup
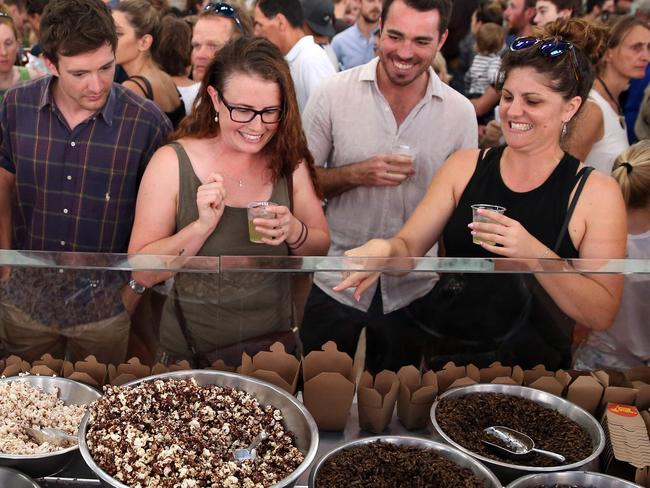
(404, 150)
(476, 217)
(258, 210)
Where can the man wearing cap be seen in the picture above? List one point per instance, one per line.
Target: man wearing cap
(281, 22)
(355, 46)
(319, 23)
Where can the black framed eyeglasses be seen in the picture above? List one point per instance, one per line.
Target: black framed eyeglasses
(225, 10)
(552, 48)
(244, 115)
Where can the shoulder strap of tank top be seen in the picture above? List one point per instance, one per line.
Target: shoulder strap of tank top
(290, 191)
(582, 176)
(147, 89)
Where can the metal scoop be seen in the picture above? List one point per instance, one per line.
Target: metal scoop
(54, 437)
(250, 453)
(515, 444)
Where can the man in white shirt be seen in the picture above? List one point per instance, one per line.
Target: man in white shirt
(280, 21)
(353, 122)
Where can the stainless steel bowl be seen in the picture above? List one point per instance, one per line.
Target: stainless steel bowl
(15, 479)
(296, 417)
(460, 458)
(508, 472)
(580, 478)
(72, 393)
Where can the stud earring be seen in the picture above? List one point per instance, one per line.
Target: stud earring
(216, 117)
(564, 130)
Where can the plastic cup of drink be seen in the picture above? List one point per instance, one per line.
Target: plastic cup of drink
(476, 217)
(405, 150)
(258, 210)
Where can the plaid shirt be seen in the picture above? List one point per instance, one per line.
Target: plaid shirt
(76, 189)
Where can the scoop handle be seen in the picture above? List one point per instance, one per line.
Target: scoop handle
(552, 455)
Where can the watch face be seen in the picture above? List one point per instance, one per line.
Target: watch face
(137, 287)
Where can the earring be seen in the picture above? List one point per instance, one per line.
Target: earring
(216, 117)
(564, 130)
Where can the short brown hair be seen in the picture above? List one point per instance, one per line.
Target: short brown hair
(174, 50)
(258, 57)
(242, 14)
(489, 38)
(71, 27)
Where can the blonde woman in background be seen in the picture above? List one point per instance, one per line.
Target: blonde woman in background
(626, 343)
(10, 74)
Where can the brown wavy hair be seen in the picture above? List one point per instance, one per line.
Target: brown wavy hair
(589, 44)
(258, 57)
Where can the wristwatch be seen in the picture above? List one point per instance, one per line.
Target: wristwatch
(137, 287)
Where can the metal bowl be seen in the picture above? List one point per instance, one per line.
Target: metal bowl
(46, 464)
(15, 479)
(296, 417)
(580, 478)
(508, 472)
(461, 459)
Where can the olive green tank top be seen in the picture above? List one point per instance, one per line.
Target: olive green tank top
(226, 307)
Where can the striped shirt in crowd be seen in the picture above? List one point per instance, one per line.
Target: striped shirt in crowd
(482, 73)
(76, 189)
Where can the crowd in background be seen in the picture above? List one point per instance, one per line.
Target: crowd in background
(372, 127)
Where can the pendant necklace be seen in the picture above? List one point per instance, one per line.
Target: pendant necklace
(619, 109)
(239, 181)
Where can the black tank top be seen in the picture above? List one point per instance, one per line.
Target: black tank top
(472, 316)
(541, 211)
(176, 115)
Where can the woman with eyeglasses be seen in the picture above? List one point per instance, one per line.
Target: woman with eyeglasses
(599, 135)
(10, 74)
(138, 27)
(522, 319)
(242, 143)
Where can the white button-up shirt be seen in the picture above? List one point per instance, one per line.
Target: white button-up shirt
(348, 120)
(309, 65)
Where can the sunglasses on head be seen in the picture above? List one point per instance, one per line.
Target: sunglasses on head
(552, 48)
(224, 10)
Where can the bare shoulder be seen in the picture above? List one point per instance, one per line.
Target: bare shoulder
(602, 189)
(460, 163)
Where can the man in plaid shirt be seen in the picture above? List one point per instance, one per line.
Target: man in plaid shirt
(73, 147)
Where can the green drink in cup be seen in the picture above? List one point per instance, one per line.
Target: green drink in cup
(476, 217)
(258, 210)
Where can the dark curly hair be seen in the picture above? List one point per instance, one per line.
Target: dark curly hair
(589, 44)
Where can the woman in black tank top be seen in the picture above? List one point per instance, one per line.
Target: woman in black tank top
(552, 211)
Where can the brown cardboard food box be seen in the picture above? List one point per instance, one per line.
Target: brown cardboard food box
(532, 375)
(627, 450)
(132, 370)
(495, 370)
(275, 366)
(88, 371)
(639, 378)
(183, 365)
(329, 383)
(416, 395)
(15, 365)
(617, 388)
(376, 400)
(585, 392)
(47, 361)
(452, 376)
(554, 383)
